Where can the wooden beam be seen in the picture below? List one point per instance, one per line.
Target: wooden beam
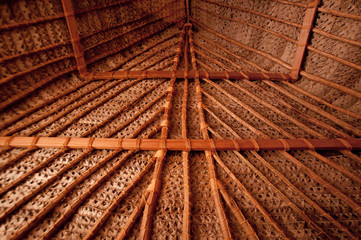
(304, 36)
(74, 35)
(190, 74)
(184, 144)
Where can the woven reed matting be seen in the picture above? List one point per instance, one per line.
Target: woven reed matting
(278, 197)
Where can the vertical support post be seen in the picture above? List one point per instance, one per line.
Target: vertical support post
(304, 36)
(74, 36)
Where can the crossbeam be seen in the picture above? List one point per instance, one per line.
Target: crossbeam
(183, 144)
(188, 74)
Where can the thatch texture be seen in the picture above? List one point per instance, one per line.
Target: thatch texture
(67, 190)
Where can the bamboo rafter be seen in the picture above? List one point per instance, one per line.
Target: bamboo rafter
(111, 126)
(304, 116)
(183, 144)
(307, 170)
(210, 164)
(185, 154)
(304, 36)
(339, 168)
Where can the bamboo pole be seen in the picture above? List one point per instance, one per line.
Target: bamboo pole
(80, 200)
(244, 46)
(339, 122)
(100, 6)
(210, 164)
(154, 54)
(162, 8)
(276, 110)
(8, 27)
(143, 38)
(255, 13)
(354, 205)
(19, 234)
(334, 119)
(320, 100)
(340, 14)
(27, 174)
(35, 51)
(329, 162)
(36, 86)
(313, 175)
(193, 74)
(155, 186)
(318, 123)
(284, 197)
(343, 170)
(115, 203)
(320, 157)
(185, 154)
(87, 110)
(302, 73)
(335, 37)
(248, 108)
(31, 121)
(133, 56)
(232, 54)
(42, 104)
(305, 33)
(257, 132)
(187, 7)
(283, 36)
(44, 211)
(326, 82)
(265, 144)
(288, 84)
(31, 147)
(132, 119)
(32, 69)
(81, 114)
(132, 218)
(242, 221)
(74, 36)
(167, 46)
(291, 3)
(302, 115)
(132, 29)
(333, 57)
(16, 158)
(337, 167)
(351, 155)
(43, 185)
(304, 196)
(260, 208)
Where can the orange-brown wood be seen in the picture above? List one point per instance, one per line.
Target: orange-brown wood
(304, 36)
(183, 144)
(74, 35)
(190, 74)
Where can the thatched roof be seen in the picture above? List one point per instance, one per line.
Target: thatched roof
(195, 119)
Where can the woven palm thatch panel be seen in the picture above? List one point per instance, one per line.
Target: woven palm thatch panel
(108, 194)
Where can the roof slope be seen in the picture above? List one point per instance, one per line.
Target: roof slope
(223, 119)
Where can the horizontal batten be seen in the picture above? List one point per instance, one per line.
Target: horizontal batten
(183, 144)
(189, 75)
